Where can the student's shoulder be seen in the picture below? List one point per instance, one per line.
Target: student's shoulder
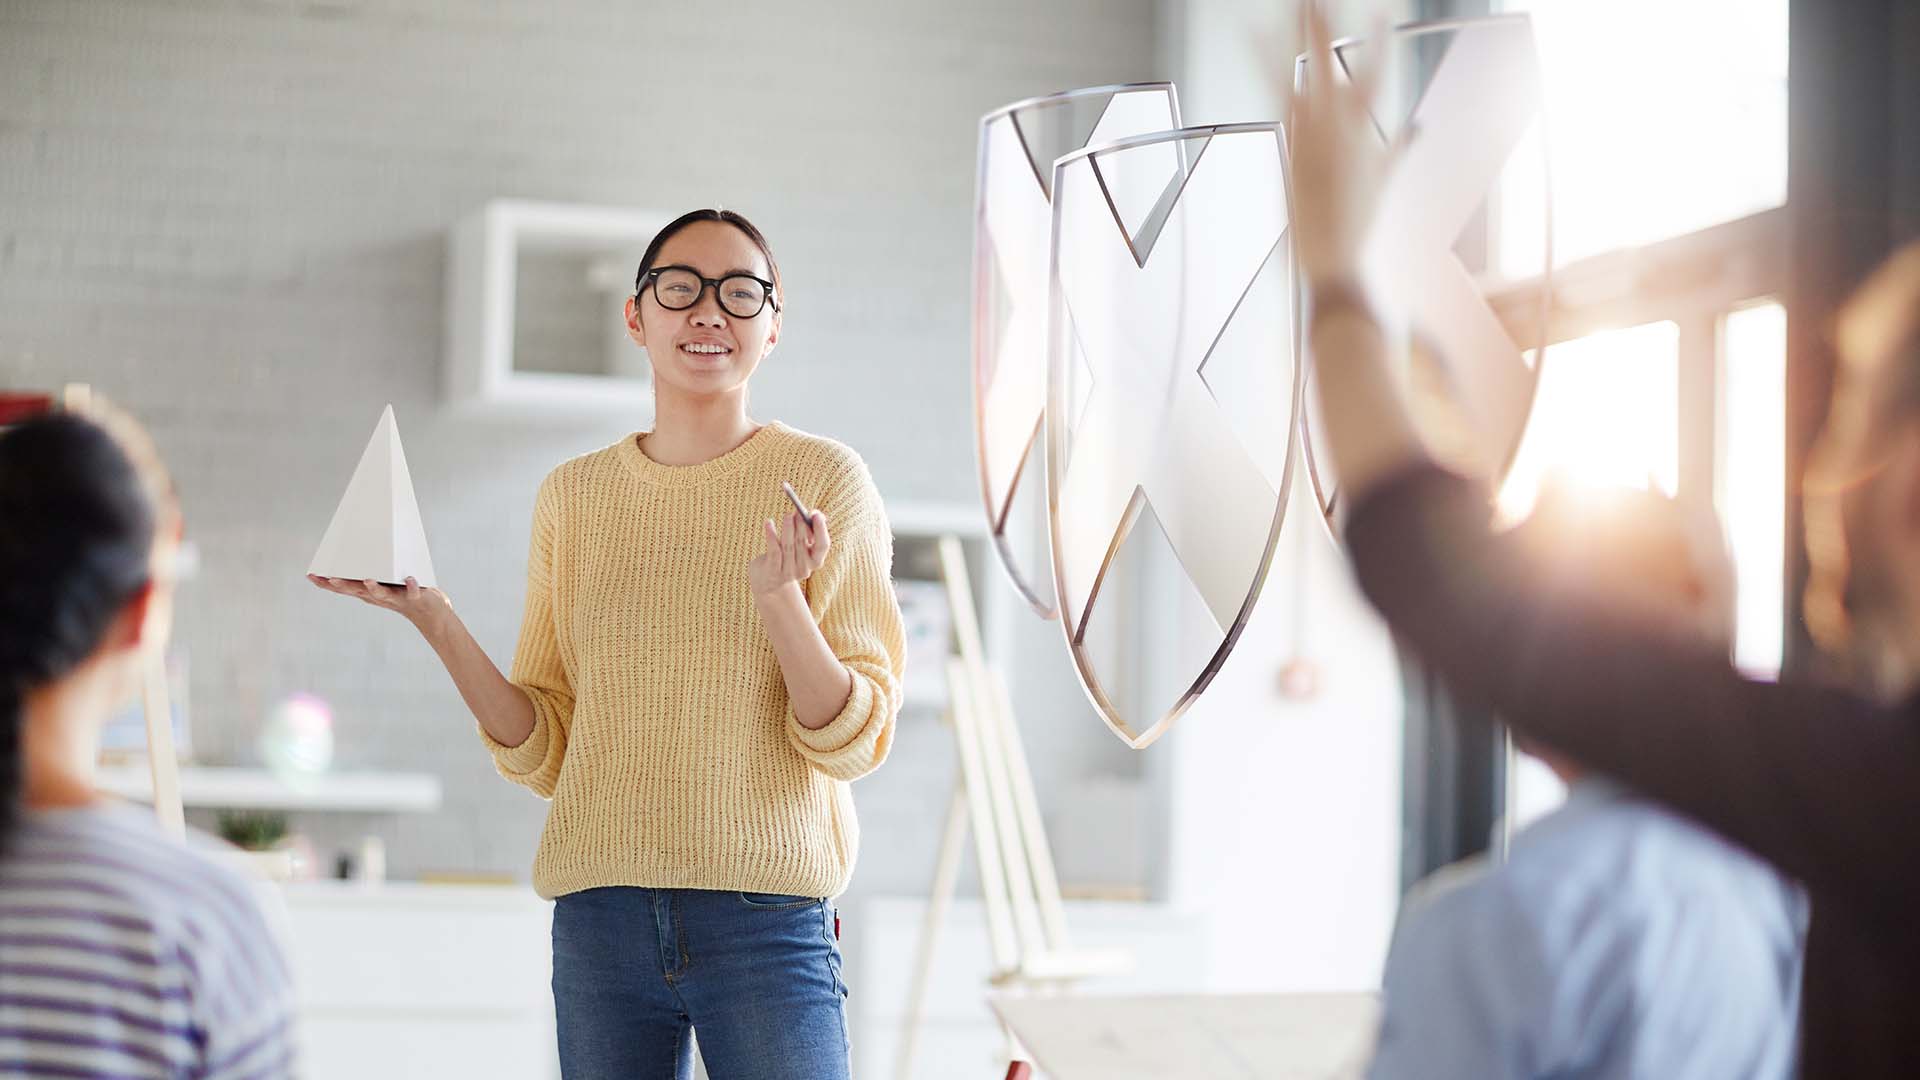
(1614, 868)
(1455, 899)
(173, 879)
(1465, 939)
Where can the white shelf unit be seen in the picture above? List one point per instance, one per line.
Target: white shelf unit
(259, 789)
(406, 980)
(483, 252)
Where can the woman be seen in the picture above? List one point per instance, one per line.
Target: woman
(123, 953)
(694, 687)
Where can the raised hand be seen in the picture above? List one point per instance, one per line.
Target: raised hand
(1340, 165)
(795, 549)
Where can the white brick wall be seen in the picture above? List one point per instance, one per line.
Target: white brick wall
(230, 214)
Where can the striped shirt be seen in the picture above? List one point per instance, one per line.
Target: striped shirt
(124, 953)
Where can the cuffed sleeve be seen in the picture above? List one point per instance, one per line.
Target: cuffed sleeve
(851, 597)
(538, 668)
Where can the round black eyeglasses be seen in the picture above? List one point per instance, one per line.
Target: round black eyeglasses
(678, 288)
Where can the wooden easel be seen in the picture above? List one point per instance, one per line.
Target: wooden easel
(157, 703)
(993, 798)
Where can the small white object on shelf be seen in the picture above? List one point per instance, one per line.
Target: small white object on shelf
(376, 532)
(235, 788)
(268, 866)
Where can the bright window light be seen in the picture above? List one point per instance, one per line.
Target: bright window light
(1752, 478)
(1606, 415)
(1666, 116)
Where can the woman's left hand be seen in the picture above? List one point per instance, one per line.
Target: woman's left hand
(794, 552)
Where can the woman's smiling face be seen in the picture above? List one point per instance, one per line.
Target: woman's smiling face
(703, 350)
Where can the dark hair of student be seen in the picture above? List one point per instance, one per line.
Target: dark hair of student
(76, 544)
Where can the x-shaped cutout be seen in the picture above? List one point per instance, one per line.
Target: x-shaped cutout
(1147, 311)
(1014, 220)
(1475, 110)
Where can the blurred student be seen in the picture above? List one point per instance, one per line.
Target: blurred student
(1618, 939)
(1820, 782)
(123, 952)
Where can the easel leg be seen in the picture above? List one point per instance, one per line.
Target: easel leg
(160, 753)
(946, 875)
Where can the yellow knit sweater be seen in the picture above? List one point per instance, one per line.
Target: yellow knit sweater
(662, 731)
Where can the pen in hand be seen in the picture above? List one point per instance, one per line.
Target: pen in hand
(805, 514)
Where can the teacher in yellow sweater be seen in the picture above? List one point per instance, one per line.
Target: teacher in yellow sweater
(700, 673)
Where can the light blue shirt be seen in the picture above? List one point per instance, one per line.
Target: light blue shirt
(1616, 941)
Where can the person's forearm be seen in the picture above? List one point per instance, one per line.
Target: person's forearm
(1806, 777)
(818, 684)
(501, 707)
(1374, 437)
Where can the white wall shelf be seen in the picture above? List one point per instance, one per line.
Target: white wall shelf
(259, 789)
(911, 518)
(483, 258)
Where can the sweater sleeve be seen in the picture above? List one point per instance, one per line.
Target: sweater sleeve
(851, 597)
(537, 667)
(1812, 779)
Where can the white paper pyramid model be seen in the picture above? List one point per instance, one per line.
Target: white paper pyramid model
(376, 531)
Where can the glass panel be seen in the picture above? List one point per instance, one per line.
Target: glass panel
(1753, 479)
(1470, 93)
(1168, 420)
(1018, 146)
(1664, 118)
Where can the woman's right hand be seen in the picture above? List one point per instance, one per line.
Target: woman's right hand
(420, 605)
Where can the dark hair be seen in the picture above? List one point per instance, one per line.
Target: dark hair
(723, 217)
(77, 524)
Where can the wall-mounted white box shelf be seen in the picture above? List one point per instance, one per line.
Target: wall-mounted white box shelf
(490, 256)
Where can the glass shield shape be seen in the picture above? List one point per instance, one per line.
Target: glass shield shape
(1012, 220)
(1172, 407)
(1464, 96)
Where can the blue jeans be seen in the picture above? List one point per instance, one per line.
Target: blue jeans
(635, 971)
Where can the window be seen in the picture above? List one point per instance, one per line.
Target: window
(1665, 117)
(1666, 358)
(1752, 493)
(1606, 414)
